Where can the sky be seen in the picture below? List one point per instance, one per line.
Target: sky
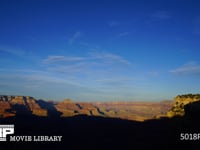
(102, 50)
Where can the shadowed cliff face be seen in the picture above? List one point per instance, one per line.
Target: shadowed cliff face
(97, 132)
(25, 105)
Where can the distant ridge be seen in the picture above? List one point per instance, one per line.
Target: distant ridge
(26, 105)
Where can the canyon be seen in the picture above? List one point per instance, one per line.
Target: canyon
(26, 105)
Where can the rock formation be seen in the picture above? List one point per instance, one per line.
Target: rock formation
(12, 105)
(180, 102)
(26, 105)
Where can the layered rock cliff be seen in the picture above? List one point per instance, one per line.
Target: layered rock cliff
(13, 105)
(69, 108)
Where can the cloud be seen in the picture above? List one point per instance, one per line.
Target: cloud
(75, 36)
(93, 64)
(109, 57)
(191, 68)
(79, 67)
(91, 57)
(33, 77)
(41, 86)
(13, 51)
(55, 59)
(120, 82)
(47, 85)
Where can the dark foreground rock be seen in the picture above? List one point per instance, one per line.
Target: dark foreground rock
(83, 132)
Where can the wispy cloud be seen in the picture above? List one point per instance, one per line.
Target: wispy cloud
(74, 37)
(191, 68)
(69, 76)
(109, 57)
(13, 51)
(93, 56)
(75, 67)
(94, 75)
(93, 63)
(115, 81)
(55, 59)
(39, 85)
(34, 77)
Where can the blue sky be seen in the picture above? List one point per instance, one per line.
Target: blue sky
(100, 50)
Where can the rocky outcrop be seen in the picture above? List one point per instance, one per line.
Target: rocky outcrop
(180, 102)
(12, 105)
